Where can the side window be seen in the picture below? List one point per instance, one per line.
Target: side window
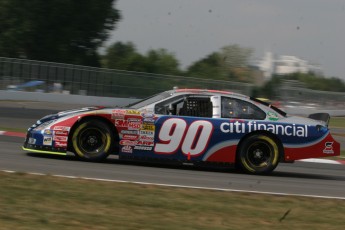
(236, 108)
(196, 107)
(186, 106)
(170, 106)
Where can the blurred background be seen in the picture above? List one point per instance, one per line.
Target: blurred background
(133, 49)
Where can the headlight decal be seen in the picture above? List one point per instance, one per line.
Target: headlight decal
(43, 126)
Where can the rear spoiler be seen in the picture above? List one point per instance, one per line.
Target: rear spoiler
(320, 117)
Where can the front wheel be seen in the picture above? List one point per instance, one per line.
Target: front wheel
(92, 140)
(258, 154)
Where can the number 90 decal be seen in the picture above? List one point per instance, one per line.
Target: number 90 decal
(175, 134)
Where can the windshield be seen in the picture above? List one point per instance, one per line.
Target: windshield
(150, 100)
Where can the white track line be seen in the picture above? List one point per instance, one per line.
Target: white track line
(324, 161)
(181, 186)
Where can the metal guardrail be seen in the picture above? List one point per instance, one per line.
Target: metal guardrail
(83, 80)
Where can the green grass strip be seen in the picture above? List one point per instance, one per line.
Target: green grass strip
(337, 122)
(47, 202)
(19, 130)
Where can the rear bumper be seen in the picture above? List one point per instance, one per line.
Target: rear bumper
(326, 147)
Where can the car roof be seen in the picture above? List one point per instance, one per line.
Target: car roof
(209, 92)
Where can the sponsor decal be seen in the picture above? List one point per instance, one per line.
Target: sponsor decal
(134, 125)
(128, 142)
(148, 127)
(121, 123)
(47, 140)
(47, 132)
(127, 149)
(132, 112)
(130, 137)
(60, 138)
(145, 143)
(146, 133)
(61, 133)
(146, 138)
(328, 148)
(118, 113)
(272, 116)
(62, 128)
(149, 120)
(59, 144)
(279, 129)
(148, 115)
(134, 119)
(130, 132)
(146, 148)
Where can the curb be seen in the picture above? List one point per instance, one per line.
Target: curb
(324, 161)
(311, 160)
(12, 134)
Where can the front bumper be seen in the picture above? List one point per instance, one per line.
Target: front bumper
(44, 141)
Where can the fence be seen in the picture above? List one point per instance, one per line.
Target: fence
(83, 80)
(92, 81)
(312, 98)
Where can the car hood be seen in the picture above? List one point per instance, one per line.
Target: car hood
(68, 113)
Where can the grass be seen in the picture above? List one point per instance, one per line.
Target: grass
(47, 202)
(337, 122)
(20, 130)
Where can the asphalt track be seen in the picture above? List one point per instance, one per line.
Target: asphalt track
(300, 178)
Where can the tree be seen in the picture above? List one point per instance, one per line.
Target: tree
(162, 62)
(56, 30)
(124, 56)
(234, 56)
(230, 63)
(208, 67)
(235, 61)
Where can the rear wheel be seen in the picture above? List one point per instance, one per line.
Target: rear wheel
(93, 140)
(258, 154)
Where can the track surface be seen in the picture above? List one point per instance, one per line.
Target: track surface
(300, 178)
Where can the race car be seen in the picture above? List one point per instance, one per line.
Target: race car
(187, 126)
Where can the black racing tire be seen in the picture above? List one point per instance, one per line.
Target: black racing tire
(258, 154)
(93, 140)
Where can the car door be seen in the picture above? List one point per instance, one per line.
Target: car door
(182, 132)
